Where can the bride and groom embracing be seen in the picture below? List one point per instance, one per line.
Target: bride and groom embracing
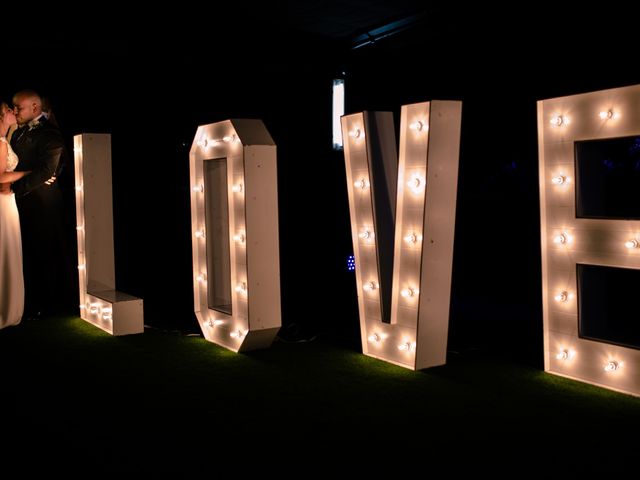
(31, 231)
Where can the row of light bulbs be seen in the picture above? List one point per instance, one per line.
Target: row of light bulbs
(566, 354)
(237, 334)
(214, 142)
(416, 183)
(95, 308)
(236, 188)
(560, 120)
(404, 346)
(411, 238)
(408, 292)
(417, 126)
(564, 239)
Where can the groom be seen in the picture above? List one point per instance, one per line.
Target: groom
(39, 147)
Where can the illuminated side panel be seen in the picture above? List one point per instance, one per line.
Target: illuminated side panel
(100, 303)
(419, 278)
(234, 218)
(588, 147)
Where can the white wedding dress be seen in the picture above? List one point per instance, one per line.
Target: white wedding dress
(11, 280)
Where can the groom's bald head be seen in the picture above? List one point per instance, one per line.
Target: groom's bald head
(27, 105)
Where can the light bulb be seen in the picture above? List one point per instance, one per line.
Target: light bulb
(94, 307)
(606, 115)
(407, 346)
(417, 126)
(228, 138)
(237, 334)
(107, 313)
(375, 338)
(611, 366)
(411, 238)
(201, 277)
(80, 228)
(241, 288)
(370, 286)
(82, 266)
(560, 239)
(198, 188)
(632, 243)
(355, 133)
(79, 188)
(562, 355)
(562, 297)
(362, 183)
(199, 234)
(416, 183)
(366, 235)
(409, 292)
(214, 323)
(559, 180)
(558, 120)
(239, 238)
(237, 188)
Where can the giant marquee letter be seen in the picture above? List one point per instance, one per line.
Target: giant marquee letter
(579, 236)
(100, 303)
(413, 290)
(234, 223)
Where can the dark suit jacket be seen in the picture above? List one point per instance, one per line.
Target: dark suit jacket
(39, 149)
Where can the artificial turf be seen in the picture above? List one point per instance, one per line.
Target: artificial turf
(163, 401)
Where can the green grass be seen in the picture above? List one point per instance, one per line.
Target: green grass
(81, 397)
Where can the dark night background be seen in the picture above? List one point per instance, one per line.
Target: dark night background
(151, 81)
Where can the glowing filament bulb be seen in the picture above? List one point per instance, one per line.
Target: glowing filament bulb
(611, 366)
(82, 266)
(406, 347)
(201, 277)
(94, 307)
(215, 323)
(411, 238)
(362, 183)
(562, 297)
(632, 243)
(559, 180)
(366, 235)
(355, 133)
(199, 234)
(228, 138)
(198, 188)
(79, 188)
(370, 286)
(241, 288)
(416, 184)
(237, 188)
(562, 355)
(417, 126)
(239, 238)
(375, 338)
(80, 228)
(409, 292)
(606, 115)
(107, 313)
(237, 334)
(558, 120)
(560, 239)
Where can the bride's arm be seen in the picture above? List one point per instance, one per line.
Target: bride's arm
(7, 177)
(3, 155)
(10, 177)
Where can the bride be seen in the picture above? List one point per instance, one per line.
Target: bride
(11, 281)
